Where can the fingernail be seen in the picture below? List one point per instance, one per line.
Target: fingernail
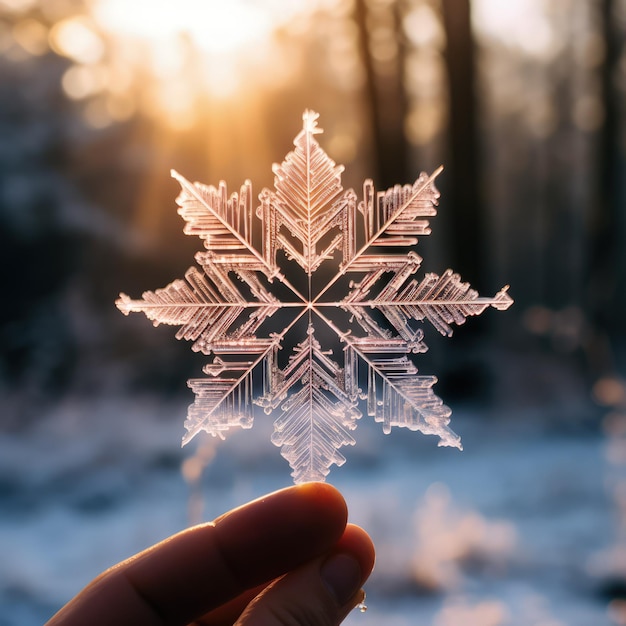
(342, 575)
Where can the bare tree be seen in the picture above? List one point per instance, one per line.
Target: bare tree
(385, 91)
(607, 280)
(462, 167)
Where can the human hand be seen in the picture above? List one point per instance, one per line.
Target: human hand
(286, 559)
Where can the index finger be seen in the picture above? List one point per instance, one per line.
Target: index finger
(203, 567)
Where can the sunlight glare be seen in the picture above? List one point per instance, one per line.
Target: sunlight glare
(522, 24)
(190, 50)
(214, 27)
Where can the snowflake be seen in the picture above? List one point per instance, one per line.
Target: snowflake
(306, 310)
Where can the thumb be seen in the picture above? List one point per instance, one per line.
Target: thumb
(320, 593)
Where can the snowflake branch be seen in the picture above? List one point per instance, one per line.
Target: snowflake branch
(271, 271)
(420, 409)
(374, 238)
(199, 418)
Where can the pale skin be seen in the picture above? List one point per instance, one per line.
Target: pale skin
(287, 559)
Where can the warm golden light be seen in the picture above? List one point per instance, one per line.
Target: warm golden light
(190, 49)
(17, 6)
(75, 38)
(216, 27)
(32, 36)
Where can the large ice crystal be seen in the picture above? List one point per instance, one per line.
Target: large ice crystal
(308, 306)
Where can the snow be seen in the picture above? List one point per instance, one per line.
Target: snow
(503, 534)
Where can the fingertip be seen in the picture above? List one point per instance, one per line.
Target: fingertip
(314, 497)
(358, 543)
(283, 530)
(325, 503)
(325, 496)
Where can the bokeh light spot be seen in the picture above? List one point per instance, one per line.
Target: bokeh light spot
(82, 81)
(74, 38)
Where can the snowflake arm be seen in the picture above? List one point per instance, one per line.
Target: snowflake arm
(317, 416)
(309, 201)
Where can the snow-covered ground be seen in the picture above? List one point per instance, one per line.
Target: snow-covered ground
(514, 531)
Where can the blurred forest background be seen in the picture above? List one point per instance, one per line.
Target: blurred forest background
(522, 101)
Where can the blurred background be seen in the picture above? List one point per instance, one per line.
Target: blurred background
(523, 102)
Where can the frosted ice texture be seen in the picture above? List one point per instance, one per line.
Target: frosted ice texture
(308, 306)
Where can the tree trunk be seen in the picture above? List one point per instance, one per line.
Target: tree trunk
(462, 188)
(607, 280)
(385, 95)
